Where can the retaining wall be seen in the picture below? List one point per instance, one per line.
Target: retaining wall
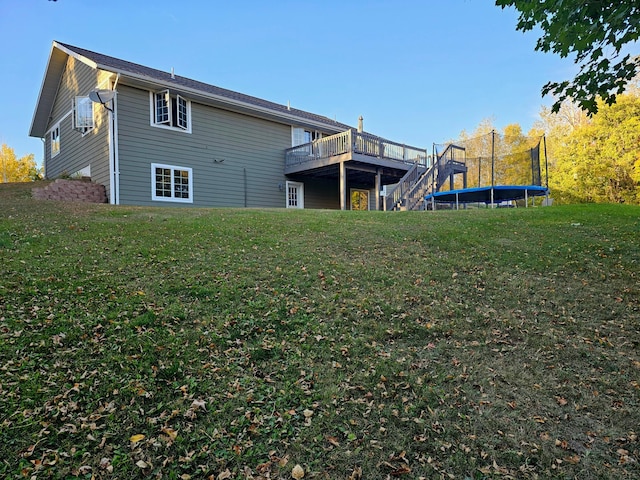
(72, 191)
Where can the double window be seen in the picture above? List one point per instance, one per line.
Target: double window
(171, 183)
(83, 114)
(170, 111)
(55, 141)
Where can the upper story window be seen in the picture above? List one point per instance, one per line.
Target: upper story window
(300, 136)
(170, 110)
(171, 184)
(83, 114)
(55, 141)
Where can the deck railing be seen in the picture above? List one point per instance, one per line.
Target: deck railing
(398, 193)
(352, 141)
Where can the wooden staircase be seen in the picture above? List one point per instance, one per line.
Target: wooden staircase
(420, 181)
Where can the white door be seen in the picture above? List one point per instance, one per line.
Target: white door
(295, 195)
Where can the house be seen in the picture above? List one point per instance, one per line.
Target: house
(156, 138)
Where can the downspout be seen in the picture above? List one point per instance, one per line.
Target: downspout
(116, 157)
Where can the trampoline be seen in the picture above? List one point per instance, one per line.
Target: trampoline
(492, 169)
(488, 195)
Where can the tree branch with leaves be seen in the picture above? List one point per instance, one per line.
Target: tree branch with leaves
(595, 31)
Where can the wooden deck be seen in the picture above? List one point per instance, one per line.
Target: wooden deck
(352, 146)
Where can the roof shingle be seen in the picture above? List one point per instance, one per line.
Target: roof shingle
(123, 67)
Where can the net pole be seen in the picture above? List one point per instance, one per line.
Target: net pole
(493, 154)
(546, 161)
(546, 168)
(434, 161)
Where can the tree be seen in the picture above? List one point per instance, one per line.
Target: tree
(599, 160)
(14, 169)
(595, 31)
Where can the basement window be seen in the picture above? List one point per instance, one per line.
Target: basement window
(171, 184)
(170, 110)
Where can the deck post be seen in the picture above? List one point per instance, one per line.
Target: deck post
(343, 203)
(377, 188)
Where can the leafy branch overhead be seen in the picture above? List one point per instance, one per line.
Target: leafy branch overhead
(595, 33)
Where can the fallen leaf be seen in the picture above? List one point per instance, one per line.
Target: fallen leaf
(333, 441)
(170, 432)
(141, 464)
(356, 474)
(297, 472)
(400, 471)
(136, 438)
(224, 475)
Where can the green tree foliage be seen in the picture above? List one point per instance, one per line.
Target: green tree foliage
(594, 33)
(14, 169)
(597, 159)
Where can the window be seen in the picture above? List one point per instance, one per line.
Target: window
(300, 136)
(55, 141)
(170, 111)
(83, 114)
(295, 195)
(171, 184)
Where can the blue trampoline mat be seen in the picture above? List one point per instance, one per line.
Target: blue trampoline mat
(483, 194)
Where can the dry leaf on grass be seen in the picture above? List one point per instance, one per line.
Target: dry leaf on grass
(297, 472)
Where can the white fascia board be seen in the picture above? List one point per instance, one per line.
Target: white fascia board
(40, 119)
(77, 56)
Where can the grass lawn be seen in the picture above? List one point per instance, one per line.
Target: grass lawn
(239, 344)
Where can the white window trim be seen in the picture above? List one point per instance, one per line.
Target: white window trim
(166, 125)
(297, 132)
(187, 112)
(84, 129)
(300, 186)
(172, 168)
(55, 128)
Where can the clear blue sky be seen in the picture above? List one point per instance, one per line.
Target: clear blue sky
(418, 71)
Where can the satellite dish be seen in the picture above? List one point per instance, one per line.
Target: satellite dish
(101, 96)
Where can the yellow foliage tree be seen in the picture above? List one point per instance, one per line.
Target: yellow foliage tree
(14, 169)
(599, 160)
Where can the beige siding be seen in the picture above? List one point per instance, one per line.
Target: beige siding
(252, 150)
(77, 150)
